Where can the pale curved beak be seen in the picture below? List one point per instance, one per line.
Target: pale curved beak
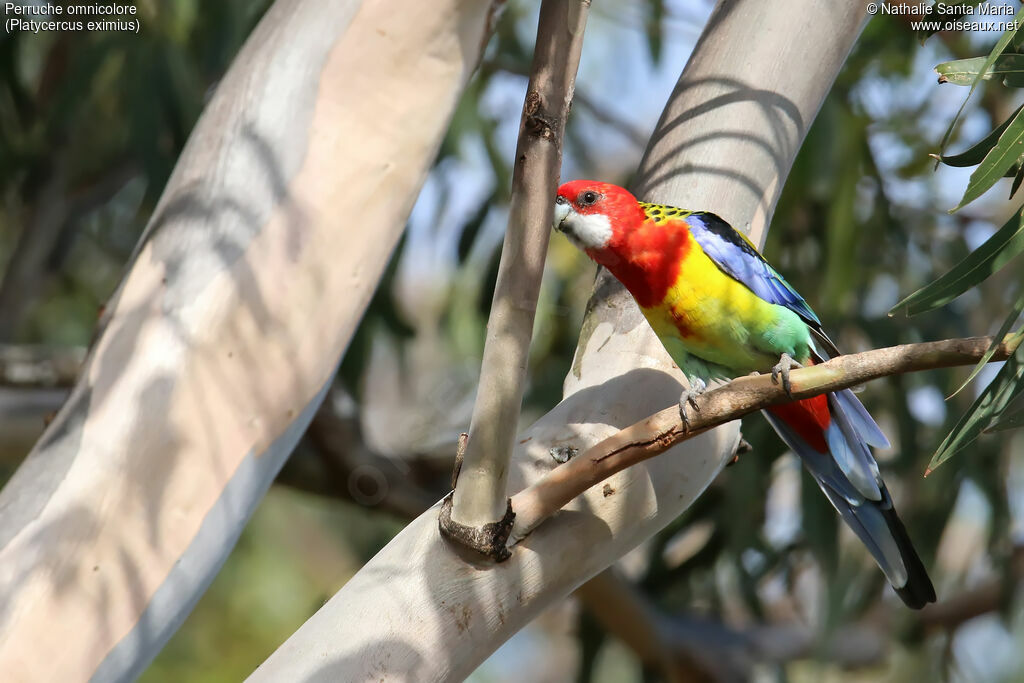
(562, 210)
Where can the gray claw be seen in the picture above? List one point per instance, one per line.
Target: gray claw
(782, 368)
(689, 398)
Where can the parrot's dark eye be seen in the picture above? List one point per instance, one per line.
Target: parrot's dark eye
(587, 198)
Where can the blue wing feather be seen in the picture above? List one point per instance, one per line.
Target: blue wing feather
(740, 260)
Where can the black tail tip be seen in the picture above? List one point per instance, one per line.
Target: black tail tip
(917, 592)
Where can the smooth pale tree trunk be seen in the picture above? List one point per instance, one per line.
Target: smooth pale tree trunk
(213, 355)
(420, 609)
(481, 498)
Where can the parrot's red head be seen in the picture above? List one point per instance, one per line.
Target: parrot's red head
(610, 225)
(595, 215)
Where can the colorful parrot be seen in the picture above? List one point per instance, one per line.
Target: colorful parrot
(721, 311)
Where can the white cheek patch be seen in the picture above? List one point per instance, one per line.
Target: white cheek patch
(588, 231)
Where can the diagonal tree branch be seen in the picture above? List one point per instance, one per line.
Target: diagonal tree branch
(23, 365)
(659, 432)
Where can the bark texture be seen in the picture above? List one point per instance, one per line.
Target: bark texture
(481, 496)
(420, 609)
(258, 263)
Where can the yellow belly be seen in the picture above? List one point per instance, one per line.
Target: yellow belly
(715, 317)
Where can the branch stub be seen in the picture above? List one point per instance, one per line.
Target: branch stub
(491, 539)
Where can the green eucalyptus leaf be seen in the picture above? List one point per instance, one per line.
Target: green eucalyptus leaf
(1018, 176)
(995, 253)
(1004, 329)
(1007, 150)
(1007, 68)
(1012, 418)
(977, 151)
(654, 25)
(997, 50)
(990, 404)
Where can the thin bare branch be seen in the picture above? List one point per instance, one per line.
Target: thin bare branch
(482, 494)
(23, 365)
(609, 118)
(338, 463)
(58, 210)
(659, 432)
(685, 647)
(624, 611)
(988, 596)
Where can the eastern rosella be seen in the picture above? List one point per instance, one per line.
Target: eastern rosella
(722, 311)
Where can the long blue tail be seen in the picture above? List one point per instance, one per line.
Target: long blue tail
(840, 460)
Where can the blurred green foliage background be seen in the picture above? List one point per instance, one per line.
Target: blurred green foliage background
(91, 126)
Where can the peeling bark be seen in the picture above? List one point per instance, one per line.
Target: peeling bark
(260, 259)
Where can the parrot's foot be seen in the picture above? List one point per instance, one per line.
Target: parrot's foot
(689, 399)
(781, 369)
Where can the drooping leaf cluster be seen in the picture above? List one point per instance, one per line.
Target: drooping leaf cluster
(999, 154)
